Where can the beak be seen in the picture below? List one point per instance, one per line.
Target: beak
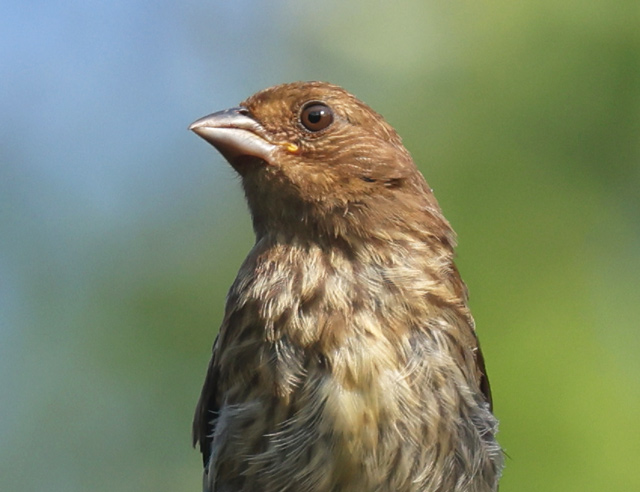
(235, 134)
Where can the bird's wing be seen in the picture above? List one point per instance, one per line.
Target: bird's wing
(485, 387)
(472, 341)
(204, 420)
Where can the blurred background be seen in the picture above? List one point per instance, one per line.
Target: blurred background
(120, 231)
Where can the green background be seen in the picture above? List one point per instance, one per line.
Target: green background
(120, 231)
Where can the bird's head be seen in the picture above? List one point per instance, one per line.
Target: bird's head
(315, 159)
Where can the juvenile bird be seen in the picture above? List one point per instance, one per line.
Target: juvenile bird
(347, 358)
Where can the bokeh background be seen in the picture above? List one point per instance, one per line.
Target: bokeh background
(120, 231)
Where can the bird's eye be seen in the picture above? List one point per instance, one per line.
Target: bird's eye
(316, 116)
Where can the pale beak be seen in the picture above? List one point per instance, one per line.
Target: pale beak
(235, 134)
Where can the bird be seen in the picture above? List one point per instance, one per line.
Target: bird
(347, 358)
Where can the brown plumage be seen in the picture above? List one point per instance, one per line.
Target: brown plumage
(347, 358)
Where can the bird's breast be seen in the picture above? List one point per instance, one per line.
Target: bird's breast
(344, 374)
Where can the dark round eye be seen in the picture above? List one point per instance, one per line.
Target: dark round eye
(316, 116)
